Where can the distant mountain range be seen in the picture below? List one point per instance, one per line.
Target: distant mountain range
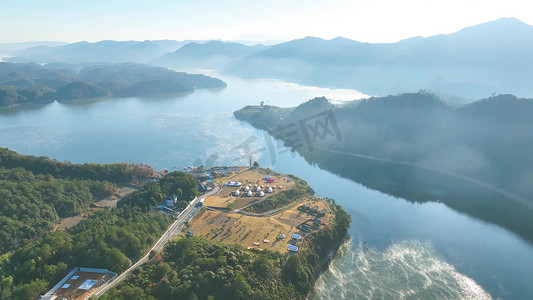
(11, 48)
(25, 83)
(475, 158)
(479, 61)
(210, 55)
(494, 57)
(99, 52)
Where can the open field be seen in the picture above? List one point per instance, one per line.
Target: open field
(225, 199)
(256, 231)
(110, 202)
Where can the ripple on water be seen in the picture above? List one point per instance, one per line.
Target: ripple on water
(409, 269)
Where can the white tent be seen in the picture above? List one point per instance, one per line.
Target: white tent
(269, 190)
(236, 193)
(261, 194)
(249, 194)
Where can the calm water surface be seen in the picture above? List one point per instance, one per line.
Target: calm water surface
(415, 251)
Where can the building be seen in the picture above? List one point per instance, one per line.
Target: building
(171, 201)
(293, 248)
(80, 283)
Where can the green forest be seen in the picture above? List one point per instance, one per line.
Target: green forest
(195, 268)
(36, 192)
(32, 83)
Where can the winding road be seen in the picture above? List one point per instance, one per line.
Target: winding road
(171, 232)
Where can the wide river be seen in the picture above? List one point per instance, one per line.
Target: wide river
(412, 251)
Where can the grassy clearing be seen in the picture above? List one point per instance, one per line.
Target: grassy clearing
(234, 228)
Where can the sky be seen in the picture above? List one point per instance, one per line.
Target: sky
(361, 20)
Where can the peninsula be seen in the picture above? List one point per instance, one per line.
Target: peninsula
(260, 235)
(226, 232)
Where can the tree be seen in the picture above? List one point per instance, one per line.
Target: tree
(241, 287)
(256, 164)
(30, 290)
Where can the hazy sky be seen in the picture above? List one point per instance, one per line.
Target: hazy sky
(363, 20)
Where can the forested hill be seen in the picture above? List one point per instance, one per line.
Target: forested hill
(26, 83)
(36, 193)
(476, 158)
(116, 173)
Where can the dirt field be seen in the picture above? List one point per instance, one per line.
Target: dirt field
(256, 232)
(225, 198)
(110, 202)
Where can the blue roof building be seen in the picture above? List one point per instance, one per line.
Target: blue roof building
(296, 236)
(293, 248)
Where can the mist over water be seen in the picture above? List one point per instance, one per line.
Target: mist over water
(409, 269)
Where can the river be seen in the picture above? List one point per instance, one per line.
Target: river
(412, 250)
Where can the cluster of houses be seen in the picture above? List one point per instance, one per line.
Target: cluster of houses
(295, 238)
(249, 190)
(315, 209)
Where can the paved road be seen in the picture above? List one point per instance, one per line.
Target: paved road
(270, 213)
(171, 232)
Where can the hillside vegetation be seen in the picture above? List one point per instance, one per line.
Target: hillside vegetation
(36, 192)
(195, 268)
(27, 83)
